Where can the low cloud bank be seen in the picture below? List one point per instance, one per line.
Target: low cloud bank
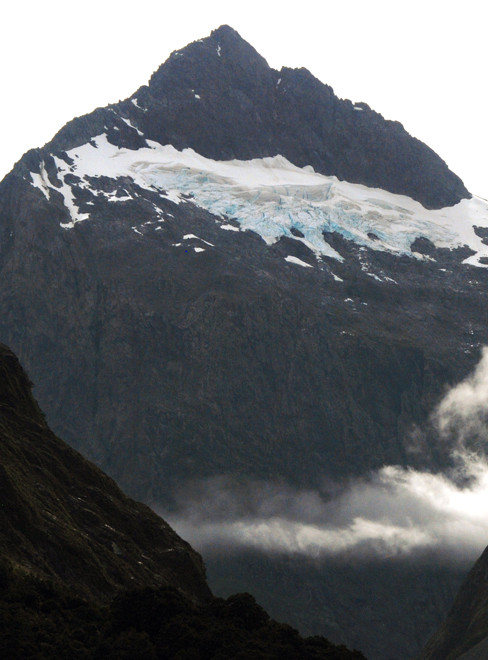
(394, 513)
(463, 412)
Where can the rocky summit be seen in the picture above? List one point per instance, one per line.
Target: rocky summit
(219, 97)
(234, 281)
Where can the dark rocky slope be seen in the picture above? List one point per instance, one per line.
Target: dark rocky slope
(464, 633)
(162, 364)
(387, 607)
(62, 519)
(42, 621)
(70, 541)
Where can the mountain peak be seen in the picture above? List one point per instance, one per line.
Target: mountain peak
(220, 97)
(218, 62)
(226, 32)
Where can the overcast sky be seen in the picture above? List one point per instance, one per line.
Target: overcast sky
(419, 62)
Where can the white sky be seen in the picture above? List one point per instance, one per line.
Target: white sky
(420, 62)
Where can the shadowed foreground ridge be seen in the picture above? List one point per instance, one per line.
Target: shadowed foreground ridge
(62, 518)
(464, 634)
(71, 544)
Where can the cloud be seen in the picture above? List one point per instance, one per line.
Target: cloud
(463, 412)
(394, 512)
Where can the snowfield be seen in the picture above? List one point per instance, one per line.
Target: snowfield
(271, 196)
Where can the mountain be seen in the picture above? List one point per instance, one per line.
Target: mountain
(87, 572)
(62, 519)
(219, 97)
(251, 334)
(464, 633)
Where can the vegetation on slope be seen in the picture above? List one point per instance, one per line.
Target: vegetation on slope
(42, 620)
(71, 543)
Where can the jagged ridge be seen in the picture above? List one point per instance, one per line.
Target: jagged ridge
(220, 97)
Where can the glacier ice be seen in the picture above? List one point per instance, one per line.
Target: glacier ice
(274, 198)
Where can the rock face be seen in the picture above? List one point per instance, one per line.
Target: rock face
(63, 519)
(464, 633)
(163, 363)
(183, 322)
(70, 541)
(361, 601)
(220, 97)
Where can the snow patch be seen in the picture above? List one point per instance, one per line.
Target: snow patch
(199, 249)
(229, 227)
(112, 197)
(187, 237)
(131, 125)
(173, 196)
(40, 180)
(294, 260)
(134, 102)
(271, 196)
(69, 199)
